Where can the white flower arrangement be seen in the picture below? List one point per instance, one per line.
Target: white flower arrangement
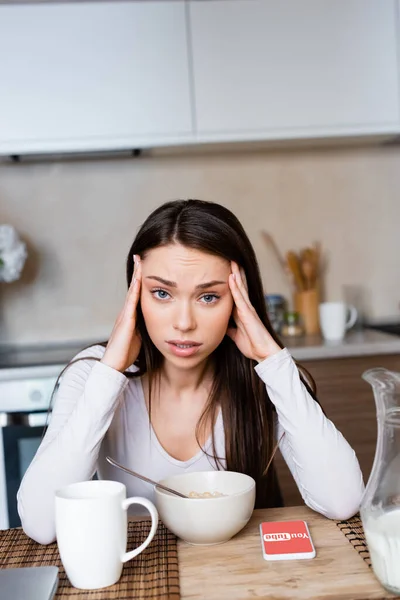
(12, 254)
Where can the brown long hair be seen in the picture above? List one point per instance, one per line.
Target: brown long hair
(248, 413)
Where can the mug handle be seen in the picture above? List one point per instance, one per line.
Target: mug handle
(154, 524)
(352, 316)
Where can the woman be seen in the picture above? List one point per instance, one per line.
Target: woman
(192, 378)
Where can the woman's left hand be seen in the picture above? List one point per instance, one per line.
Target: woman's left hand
(251, 336)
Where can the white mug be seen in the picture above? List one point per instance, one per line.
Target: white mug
(335, 318)
(92, 527)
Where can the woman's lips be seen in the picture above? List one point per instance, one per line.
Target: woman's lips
(186, 348)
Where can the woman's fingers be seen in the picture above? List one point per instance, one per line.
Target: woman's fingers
(240, 284)
(136, 271)
(240, 302)
(124, 344)
(134, 289)
(244, 280)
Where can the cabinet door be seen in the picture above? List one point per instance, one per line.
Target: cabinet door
(268, 69)
(93, 76)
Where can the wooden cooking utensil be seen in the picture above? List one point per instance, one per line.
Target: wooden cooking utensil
(307, 269)
(270, 242)
(294, 267)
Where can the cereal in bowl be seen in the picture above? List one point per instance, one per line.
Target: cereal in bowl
(206, 495)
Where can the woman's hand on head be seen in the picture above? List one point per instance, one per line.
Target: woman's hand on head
(250, 335)
(124, 343)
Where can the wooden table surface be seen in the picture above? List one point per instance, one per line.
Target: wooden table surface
(237, 570)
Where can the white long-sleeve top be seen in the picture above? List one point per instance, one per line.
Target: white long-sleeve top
(99, 411)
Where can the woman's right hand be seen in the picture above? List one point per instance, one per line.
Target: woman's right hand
(124, 343)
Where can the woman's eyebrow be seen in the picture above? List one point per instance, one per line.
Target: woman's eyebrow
(200, 286)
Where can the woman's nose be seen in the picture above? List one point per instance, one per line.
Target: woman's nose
(184, 317)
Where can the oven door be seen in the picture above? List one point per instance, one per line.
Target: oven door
(20, 437)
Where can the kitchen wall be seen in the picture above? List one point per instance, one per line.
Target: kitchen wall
(79, 219)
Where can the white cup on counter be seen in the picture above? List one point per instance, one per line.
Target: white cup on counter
(92, 528)
(335, 318)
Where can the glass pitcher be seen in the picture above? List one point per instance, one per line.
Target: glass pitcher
(380, 506)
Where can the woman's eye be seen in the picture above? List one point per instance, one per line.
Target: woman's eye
(160, 294)
(205, 299)
(210, 298)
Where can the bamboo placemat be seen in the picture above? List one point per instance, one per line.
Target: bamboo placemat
(152, 574)
(353, 530)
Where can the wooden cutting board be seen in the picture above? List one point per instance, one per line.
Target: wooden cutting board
(237, 570)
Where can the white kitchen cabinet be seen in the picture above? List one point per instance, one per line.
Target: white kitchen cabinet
(93, 76)
(268, 69)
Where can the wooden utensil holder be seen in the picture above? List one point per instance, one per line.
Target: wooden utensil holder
(306, 303)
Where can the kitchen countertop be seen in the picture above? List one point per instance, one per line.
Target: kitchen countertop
(364, 342)
(52, 357)
(37, 361)
(40, 354)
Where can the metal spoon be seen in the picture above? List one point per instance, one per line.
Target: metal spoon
(146, 479)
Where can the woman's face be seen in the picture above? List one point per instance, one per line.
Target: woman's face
(186, 302)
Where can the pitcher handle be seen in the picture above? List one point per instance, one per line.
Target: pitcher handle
(154, 524)
(352, 316)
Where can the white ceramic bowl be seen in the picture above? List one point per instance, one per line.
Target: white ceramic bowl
(205, 521)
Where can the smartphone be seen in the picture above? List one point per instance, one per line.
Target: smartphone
(286, 540)
(35, 583)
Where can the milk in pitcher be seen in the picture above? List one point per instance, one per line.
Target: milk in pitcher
(383, 539)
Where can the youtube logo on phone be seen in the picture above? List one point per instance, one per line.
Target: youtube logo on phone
(285, 540)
